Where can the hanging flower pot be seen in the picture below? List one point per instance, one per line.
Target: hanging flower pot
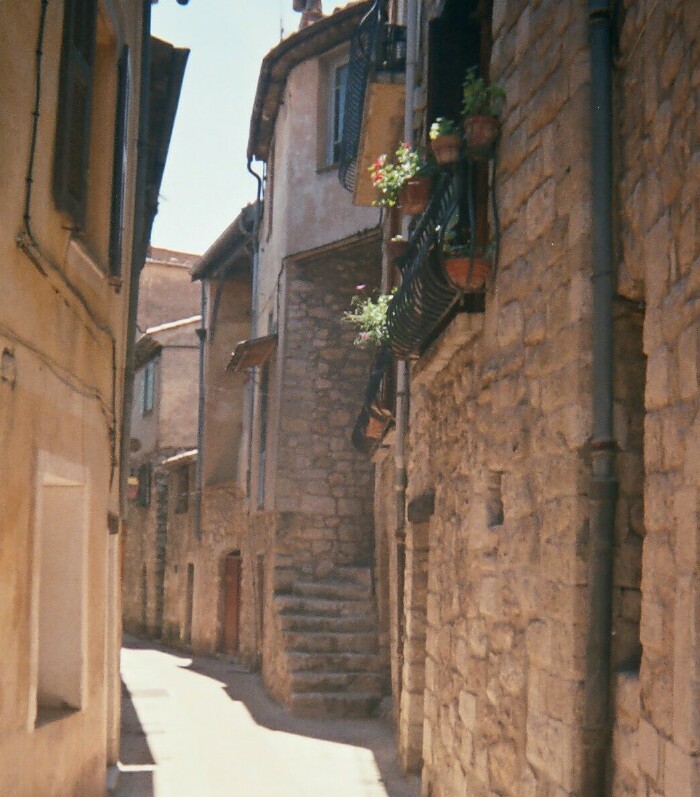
(446, 149)
(396, 248)
(445, 141)
(466, 272)
(415, 195)
(480, 135)
(481, 106)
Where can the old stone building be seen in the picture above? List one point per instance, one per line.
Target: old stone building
(207, 595)
(84, 134)
(163, 424)
(309, 527)
(539, 575)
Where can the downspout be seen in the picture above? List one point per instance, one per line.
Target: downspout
(603, 486)
(137, 253)
(402, 367)
(201, 399)
(250, 398)
(253, 313)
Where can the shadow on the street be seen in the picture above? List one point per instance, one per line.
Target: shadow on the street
(136, 759)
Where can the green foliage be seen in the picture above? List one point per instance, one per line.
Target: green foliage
(478, 98)
(368, 315)
(390, 176)
(443, 127)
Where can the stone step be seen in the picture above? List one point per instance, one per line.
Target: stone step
(334, 704)
(354, 574)
(314, 681)
(302, 660)
(331, 642)
(323, 622)
(289, 603)
(333, 590)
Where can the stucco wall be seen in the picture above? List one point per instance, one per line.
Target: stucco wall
(59, 398)
(306, 194)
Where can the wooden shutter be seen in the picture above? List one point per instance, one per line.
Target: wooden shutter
(74, 106)
(116, 222)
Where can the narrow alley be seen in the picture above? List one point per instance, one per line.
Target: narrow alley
(201, 727)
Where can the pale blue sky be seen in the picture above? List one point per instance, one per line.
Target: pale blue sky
(206, 183)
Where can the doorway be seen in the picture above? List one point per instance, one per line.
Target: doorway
(232, 602)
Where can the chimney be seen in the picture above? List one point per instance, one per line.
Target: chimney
(311, 11)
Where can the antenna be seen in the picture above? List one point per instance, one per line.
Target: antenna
(281, 21)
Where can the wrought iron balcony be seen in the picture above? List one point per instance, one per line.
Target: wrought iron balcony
(375, 417)
(375, 47)
(427, 296)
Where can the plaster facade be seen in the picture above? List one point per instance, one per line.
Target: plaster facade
(62, 351)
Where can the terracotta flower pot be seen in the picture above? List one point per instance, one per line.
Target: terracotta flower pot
(446, 149)
(480, 134)
(467, 273)
(396, 249)
(415, 195)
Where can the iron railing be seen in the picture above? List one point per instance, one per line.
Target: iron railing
(424, 297)
(373, 413)
(374, 46)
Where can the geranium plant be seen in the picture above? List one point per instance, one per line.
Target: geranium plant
(368, 315)
(390, 176)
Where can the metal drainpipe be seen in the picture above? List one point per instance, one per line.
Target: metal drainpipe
(603, 489)
(402, 367)
(137, 255)
(201, 406)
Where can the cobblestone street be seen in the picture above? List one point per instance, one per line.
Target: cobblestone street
(198, 727)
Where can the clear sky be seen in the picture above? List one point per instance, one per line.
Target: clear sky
(206, 182)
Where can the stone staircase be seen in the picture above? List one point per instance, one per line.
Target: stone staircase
(329, 630)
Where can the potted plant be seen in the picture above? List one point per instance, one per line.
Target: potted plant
(466, 264)
(445, 141)
(397, 247)
(481, 105)
(405, 180)
(368, 315)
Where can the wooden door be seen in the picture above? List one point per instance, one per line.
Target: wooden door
(232, 602)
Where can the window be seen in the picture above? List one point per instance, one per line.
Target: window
(59, 591)
(143, 496)
(121, 122)
(336, 111)
(74, 108)
(89, 178)
(182, 487)
(147, 395)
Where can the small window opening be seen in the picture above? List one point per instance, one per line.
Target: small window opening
(494, 499)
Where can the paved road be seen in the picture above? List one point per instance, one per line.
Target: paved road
(200, 728)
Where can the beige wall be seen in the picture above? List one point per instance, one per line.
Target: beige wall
(307, 194)
(225, 391)
(59, 395)
(166, 291)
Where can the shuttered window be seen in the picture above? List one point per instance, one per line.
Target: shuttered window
(116, 225)
(74, 105)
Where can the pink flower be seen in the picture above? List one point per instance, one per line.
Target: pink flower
(360, 287)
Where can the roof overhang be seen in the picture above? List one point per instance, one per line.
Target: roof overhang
(252, 352)
(230, 253)
(309, 42)
(145, 349)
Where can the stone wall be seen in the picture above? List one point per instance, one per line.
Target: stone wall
(659, 193)
(322, 484)
(500, 427)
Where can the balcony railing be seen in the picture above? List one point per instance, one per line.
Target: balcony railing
(375, 417)
(426, 295)
(375, 46)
